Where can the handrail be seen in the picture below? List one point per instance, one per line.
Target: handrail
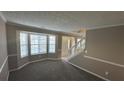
(78, 47)
(77, 43)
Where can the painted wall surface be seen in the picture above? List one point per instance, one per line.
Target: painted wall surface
(12, 44)
(3, 51)
(105, 44)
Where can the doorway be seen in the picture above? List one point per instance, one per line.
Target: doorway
(67, 43)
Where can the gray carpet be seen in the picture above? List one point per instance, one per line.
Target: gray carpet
(51, 71)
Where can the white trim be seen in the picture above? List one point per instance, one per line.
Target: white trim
(29, 62)
(54, 59)
(105, 61)
(107, 26)
(14, 69)
(88, 71)
(1, 68)
(56, 31)
(2, 16)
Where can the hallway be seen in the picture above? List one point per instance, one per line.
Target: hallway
(51, 71)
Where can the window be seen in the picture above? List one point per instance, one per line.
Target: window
(52, 43)
(69, 41)
(83, 44)
(38, 44)
(78, 39)
(78, 46)
(23, 44)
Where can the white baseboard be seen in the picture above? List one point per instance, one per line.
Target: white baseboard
(89, 71)
(33, 62)
(2, 67)
(105, 61)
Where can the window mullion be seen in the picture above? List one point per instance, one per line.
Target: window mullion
(47, 44)
(29, 44)
(39, 44)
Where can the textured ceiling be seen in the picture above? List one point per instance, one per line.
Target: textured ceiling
(65, 21)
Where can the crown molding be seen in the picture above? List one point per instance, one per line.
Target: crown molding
(105, 26)
(53, 31)
(2, 16)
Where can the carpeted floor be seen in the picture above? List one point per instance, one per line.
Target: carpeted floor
(51, 71)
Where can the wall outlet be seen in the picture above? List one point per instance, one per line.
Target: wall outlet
(106, 73)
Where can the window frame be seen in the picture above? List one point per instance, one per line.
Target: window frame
(51, 44)
(39, 34)
(29, 44)
(23, 45)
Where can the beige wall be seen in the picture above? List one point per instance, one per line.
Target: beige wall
(3, 52)
(105, 53)
(106, 43)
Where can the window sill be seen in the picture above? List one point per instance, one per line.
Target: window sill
(37, 54)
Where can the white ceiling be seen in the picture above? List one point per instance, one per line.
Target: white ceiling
(65, 21)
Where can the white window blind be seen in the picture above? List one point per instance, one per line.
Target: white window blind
(23, 44)
(38, 44)
(52, 43)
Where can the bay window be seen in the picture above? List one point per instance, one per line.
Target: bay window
(36, 43)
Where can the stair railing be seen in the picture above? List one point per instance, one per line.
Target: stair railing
(77, 48)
